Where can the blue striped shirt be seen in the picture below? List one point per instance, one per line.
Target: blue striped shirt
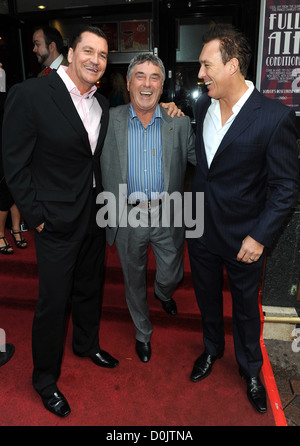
(145, 169)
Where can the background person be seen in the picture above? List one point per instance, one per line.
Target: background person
(48, 47)
(119, 94)
(6, 200)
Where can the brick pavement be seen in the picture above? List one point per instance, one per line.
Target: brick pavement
(289, 392)
(286, 369)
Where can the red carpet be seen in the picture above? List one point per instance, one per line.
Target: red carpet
(158, 393)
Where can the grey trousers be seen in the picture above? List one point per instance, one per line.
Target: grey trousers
(132, 246)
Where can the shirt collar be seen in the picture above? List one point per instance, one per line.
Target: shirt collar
(56, 63)
(156, 114)
(238, 105)
(62, 72)
(244, 98)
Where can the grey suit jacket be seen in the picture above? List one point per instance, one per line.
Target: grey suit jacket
(178, 148)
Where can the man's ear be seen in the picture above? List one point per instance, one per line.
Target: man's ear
(70, 55)
(233, 65)
(52, 47)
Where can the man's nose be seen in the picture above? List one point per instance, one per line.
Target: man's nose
(147, 81)
(94, 59)
(201, 73)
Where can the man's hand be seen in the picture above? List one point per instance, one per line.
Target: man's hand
(172, 108)
(250, 251)
(40, 227)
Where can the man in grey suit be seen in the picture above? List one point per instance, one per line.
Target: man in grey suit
(143, 162)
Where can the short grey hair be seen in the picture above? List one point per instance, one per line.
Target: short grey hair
(146, 57)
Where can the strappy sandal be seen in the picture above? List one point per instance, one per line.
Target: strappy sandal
(7, 249)
(22, 243)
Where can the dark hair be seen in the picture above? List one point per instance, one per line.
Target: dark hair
(86, 28)
(52, 35)
(233, 43)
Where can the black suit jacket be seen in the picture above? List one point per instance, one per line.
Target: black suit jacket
(48, 162)
(2, 102)
(253, 180)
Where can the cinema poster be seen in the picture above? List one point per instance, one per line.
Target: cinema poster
(278, 65)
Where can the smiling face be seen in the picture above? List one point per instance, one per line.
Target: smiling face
(145, 87)
(214, 73)
(87, 61)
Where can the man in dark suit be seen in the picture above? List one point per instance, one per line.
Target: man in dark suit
(245, 147)
(51, 160)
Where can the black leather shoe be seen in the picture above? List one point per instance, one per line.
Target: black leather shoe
(143, 350)
(104, 359)
(57, 404)
(169, 306)
(7, 354)
(203, 366)
(255, 392)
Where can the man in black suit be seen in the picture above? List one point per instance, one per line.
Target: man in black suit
(245, 147)
(53, 133)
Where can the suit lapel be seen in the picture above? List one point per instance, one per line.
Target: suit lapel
(121, 131)
(167, 132)
(103, 123)
(243, 120)
(62, 99)
(202, 107)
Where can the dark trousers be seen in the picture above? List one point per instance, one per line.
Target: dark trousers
(70, 270)
(207, 272)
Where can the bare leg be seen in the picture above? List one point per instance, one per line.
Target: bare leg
(3, 217)
(16, 231)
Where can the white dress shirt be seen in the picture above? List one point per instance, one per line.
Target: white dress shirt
(56, 63)
(213, 130)
(86, 105)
